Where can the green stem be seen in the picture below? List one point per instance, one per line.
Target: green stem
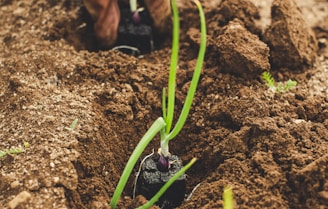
(227, 198)
(156, 127)
(155, 198)
(173, 67)
(133, 5)
(164, 104)
(194, 82)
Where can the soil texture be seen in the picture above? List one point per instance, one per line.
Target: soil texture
(271, 148)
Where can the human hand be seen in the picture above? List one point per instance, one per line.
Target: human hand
(106, 15)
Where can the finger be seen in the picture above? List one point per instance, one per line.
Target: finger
(106, 14)
(160, 11)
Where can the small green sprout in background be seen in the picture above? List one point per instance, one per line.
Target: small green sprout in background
(13, 150)
(286, 86)
(227, 198)
(26, 144)
(279, 87)
(2, 153)
(270, 82)
(73, 125)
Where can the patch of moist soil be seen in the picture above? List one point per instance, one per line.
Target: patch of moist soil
(271, 148)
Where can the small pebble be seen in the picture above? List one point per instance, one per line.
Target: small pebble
(14, 184)
(21, 198)
(323, 195)
(298, 121)
(56, 179)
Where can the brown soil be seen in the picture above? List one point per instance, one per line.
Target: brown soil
(271, 148)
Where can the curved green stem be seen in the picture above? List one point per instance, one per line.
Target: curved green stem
(173, 68)
(194, 82)
(164, 125)
(133, 5)
(156, 127)
(164, 104)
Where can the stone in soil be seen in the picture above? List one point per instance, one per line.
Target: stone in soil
(240, 52)
(292, 42)
(21, 198)
(244, 10)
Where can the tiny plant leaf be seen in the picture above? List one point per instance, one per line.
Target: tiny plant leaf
(26, 145)
(280, 87)
(283, 87)
(14, 150)
(73, 125)
(270, 82)
(2, 153)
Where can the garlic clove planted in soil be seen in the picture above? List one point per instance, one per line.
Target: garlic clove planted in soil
(163, 163)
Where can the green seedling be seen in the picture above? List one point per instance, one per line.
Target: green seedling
(270, 82)
(26, 144)
(279, 87)
(283, 87)
(3, 153)
(227, 198)
(14, 150)
(163, 125)
(73, 125)
(133, 5)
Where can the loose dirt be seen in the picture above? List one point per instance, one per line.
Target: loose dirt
(270, 148)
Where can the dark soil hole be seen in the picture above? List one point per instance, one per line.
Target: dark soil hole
(133, 38)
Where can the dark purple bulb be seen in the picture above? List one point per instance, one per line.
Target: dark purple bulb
(136, 19)
(163, 163)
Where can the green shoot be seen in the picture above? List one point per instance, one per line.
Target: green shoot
(26, 144)
(173, 69)
(163, 124)
(227, 198)
(270, 82)
(133, 5)
(164, 104)
(193, 85)
(280, 87)
(157, 126)
(3, 153)
(14, 150)
(73, 125)
(286, 86)
(167, 185)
